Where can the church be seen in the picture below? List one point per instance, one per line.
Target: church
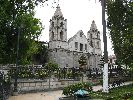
(67, 52)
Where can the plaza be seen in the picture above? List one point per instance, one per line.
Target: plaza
(49, 95)
(71, 64)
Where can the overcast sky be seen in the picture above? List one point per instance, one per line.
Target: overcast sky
(79, 15)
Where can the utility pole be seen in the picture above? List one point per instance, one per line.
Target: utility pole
(105, 68)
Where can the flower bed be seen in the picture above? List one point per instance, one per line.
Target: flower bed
(71, 89)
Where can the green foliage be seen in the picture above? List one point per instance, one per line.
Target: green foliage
(71, 89)
(41, 57)
(51, 66)
(17, 18)
(119, 93)
(35, 72)
(29, 72)
(69, 74)
(5, 85)
(120, 25)
(82, 61)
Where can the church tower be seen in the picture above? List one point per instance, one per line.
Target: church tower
(58, 30)
(94, 41)
(93, 36)
(58, 44)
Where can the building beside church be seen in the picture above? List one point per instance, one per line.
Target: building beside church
(112, 59)
(66, 53)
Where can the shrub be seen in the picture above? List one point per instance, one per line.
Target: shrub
(127, 95)
(5, 86)
(101, 81)
(118, 93)
(71, 89)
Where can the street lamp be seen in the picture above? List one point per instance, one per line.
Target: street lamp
(16, 71)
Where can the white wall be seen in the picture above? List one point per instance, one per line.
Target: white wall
(77, 38)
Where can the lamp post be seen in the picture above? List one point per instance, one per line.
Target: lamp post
(16, 71)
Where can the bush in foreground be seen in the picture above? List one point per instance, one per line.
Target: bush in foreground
(71, 89)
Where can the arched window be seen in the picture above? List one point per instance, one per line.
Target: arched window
(52, 37)
(61, 35)
(52, 24)
(81, 47)
(93, 30)
(81, 34)
(76, 45)
(98, 44)
(90, 36)
(91, 43)
(61, 24)
(98, 35)
(86, 47)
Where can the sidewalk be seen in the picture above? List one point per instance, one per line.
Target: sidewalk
(51, 95)
(99, 87)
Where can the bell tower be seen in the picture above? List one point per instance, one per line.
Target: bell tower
(58, 30)
(58, 26)
(93, 36)
(94, 41)
(58, 44)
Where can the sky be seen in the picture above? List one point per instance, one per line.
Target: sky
(79, 15)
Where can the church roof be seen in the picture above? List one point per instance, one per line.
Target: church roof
(80, 31)
(58, 11)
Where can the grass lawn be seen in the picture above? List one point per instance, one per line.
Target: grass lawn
(119, 93)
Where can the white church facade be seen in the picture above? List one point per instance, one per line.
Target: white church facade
(66, 53)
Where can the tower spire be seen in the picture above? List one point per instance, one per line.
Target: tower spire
(93, 25)
(58, 5)
(58, 11)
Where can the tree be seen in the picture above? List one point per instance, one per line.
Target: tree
(82, 61)
(51, 66)
(41, 57)
(17, 18)
(120, 25)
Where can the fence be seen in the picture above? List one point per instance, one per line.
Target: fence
(41, 85)
(4, 86)
(38, 78)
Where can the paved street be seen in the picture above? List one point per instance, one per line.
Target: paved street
(51, 95)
